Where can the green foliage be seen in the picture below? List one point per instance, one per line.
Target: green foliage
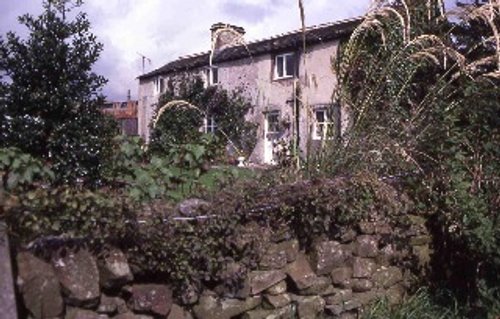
(93, 217)
(421, 305)
(181, 123)
(20, 170)
(50, 95)
(227, 238)
(172, 175)
(424, 102)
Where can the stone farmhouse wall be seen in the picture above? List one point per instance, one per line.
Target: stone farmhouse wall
(334, 279)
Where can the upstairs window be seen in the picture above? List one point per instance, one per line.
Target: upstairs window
(284, 66)
(209, 125)
(323, 126)
(212, 75)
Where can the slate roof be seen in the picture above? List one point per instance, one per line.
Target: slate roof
(282, 42)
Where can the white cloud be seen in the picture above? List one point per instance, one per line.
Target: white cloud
(163, 30)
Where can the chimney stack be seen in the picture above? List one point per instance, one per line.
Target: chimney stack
(225, 35)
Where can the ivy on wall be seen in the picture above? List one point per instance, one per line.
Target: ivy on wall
(183, 123)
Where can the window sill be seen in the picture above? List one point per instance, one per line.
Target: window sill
(283, 78)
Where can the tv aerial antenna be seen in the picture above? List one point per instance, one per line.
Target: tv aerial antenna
(144, 59)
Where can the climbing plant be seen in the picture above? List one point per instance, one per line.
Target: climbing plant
(182, 122)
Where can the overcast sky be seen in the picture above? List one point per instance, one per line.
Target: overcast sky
(163, 30)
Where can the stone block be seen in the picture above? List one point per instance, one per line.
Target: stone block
(386, 256)
(76, 313)
(420, 240)
(278, 301)
(321, 286)
(365, 297)
(262, 280)
(363, 267)
(282, 313)
(176, 312)
(39, 287)
(211, 308)
(339, 297)
(334, 310)
(79, 277)
(131, 315)
(361, 285)
(366, 246)
(278, 289)
(109, 305)
(114, 270)
(310, 307)
(352, 304)
(347, 235)
(387, 276)
(329, 255)
(341, 275)
(151, 299)
(301, 273)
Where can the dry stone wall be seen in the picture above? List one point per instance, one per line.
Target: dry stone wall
(333, 279)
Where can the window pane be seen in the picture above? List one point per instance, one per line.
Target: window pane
(215, 76)
(320, 128)
(290, 64)
(320, 116)
(279, 66)
(162, 85)
(273, 122)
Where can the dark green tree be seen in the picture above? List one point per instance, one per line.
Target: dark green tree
(50, 96)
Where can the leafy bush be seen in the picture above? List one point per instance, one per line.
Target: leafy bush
(20, 170)
(170, 176)
(35, 209)
(67, 213)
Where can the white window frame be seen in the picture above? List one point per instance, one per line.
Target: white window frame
(328, 123)
(159, 85)
(284, 65)
(209, 125)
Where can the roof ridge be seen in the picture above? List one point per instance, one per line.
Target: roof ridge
(309, 28)
(245, 44)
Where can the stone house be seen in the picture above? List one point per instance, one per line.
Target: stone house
(288, 78)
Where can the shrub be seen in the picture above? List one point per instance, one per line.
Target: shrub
(49, 97)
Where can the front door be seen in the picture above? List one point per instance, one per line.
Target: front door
(271, 134)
